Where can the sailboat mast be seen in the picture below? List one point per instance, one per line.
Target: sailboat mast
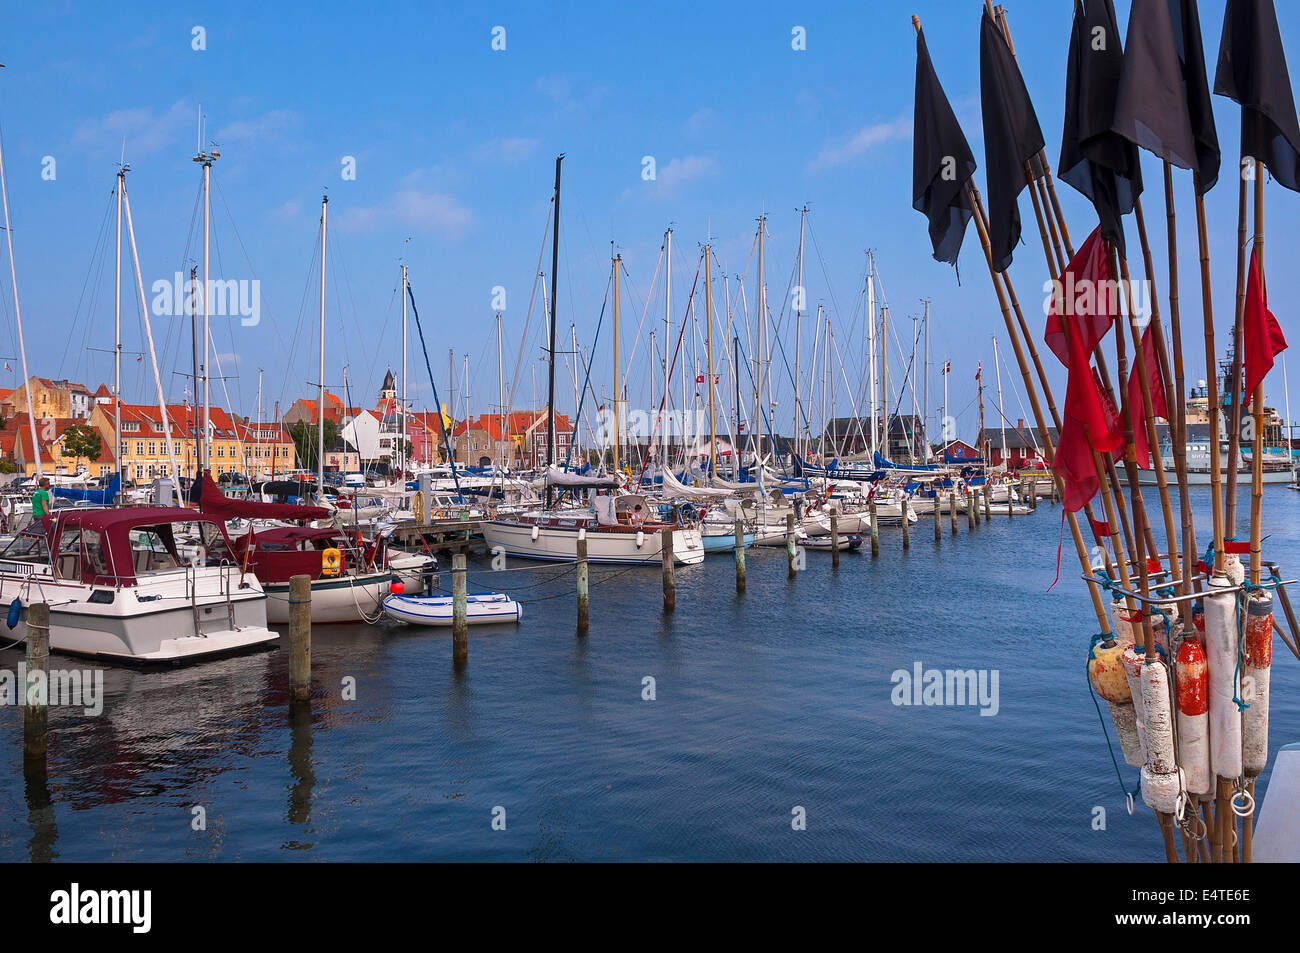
(798, 338)
(997, 371)
(871, 351)
(207, 158)
(925, 392)
(761, 358)
(615, 262)
(501, 404)
(884, 377)
(708, 337)
(320, 418)
(117, 334)
(18, 320)
(402, 409)
(550, 340)
(668, 334)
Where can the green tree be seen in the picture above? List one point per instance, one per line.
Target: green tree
(82, 440)
(306, 440)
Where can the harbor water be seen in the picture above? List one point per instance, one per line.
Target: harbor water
(767, 708)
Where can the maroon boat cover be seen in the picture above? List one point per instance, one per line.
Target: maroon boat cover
(215, 503)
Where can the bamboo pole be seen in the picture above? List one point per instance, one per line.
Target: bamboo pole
(1178, 422)
(1257, 400)
(1211, 382)
(1234, 411)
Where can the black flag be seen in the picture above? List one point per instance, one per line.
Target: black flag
(1100, 163)
(1164, 98)
(942, 162)
(1252, 71)
(1012, 137)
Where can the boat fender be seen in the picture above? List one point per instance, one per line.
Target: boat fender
(1161, 784)
(1132, 660)
(1221, 656)
(535, 533)
(640, 538)
(1191, 675)
(1119, 623)
(1106, 675)
(1257, 657)
(15, 612)
(331, 561)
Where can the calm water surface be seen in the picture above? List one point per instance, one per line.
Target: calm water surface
(776, 699)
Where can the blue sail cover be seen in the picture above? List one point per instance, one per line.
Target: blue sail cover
(105, 497)
(883, 464)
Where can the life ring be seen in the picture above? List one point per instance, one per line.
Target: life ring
(331, 560)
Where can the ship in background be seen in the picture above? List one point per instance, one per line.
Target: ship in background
(1279, 458)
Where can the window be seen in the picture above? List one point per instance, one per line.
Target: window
(130, 426)
(139, 472)
(139, 448)
(221, 451)
(123, 450)
(153, 449)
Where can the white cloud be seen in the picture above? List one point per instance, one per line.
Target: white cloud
(678, 172)
(259, 127)
(434, 212)
(144, 129)
(846, 149)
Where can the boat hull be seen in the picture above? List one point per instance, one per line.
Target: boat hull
(342, 599)
(560, 544)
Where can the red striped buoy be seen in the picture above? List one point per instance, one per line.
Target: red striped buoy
(1192, 676)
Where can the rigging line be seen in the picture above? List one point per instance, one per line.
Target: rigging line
(587, 382)
(676, 350)
(100, 238)
(636, 340)
(446, 440)
(298, 334)
(532, 297)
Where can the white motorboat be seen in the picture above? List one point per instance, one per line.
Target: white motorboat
(119, 589)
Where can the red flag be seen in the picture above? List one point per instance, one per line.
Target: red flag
(979, 369)
(1158, 406)
(1264, 339)
(1085, 293)
(1089, 423)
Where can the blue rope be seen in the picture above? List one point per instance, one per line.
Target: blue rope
(1105, 637)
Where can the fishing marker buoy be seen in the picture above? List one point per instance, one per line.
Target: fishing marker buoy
(1256, 659)
(1221, 656)
(1106, 675)
(1132, 660)
(396, 587)
(1161, 788)
(1191, 674)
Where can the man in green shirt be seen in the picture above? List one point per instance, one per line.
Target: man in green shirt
(41, 499)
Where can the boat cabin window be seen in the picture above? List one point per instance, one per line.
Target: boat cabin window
(27, 548)
(69, 561)
(153, 549)
(93, 562)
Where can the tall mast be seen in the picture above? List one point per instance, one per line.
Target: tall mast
(501, 407)
(997, 371)
(258, 439)
(550, 340)
(884, 376)
(911, 439)
(18, 319)
(798, 336)
(925, 391)
(760, 392)
(117, 333)
(668, 332)
(402, 409)
(615, 261)
(871, 350)
(194, 357)
(207, 158)
(320, 419)
(826, 364)
(577, 393)
(708, 336)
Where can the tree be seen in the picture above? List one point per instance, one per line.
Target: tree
(82, 440)
(306, 440)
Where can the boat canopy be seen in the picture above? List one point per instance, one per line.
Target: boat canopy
(215, 503)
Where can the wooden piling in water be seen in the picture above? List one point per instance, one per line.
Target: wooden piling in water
(835, 538)
(670, 584)
(952, 514)
(875, 531)
(1010, 512)
(299, 638)
(972, 511)
(583, 587)
(739, 550)
(988, 503)
(459, 610)
(790, 549)
(35, 709)
(907, 530)
(938, 522)
(975, 499)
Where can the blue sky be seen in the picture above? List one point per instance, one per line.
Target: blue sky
(455, 144)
